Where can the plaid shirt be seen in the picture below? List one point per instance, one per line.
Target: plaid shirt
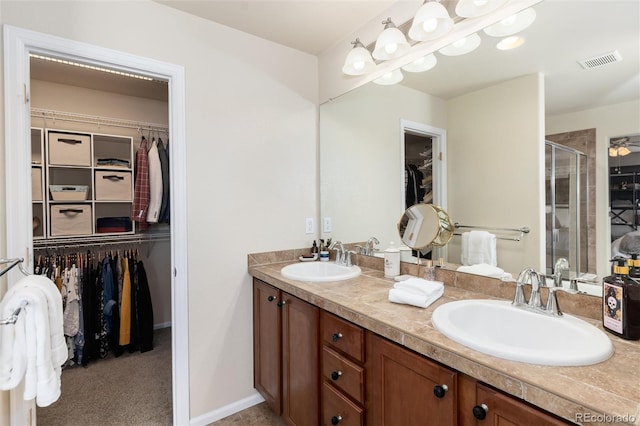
(141, 193)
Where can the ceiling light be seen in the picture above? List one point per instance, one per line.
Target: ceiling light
(358, 60)
(512, 25)
(423, 63)
(390, 78)
(623, 150)
(391, 43)
(510, 43)
(474, 8)
(431, 21)
(462, 46)
(613, 152)
(90, 67)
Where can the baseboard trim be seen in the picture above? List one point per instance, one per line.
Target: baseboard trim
(162, 325)
(227, 410)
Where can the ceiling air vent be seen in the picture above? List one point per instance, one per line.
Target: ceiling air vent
(600, 60)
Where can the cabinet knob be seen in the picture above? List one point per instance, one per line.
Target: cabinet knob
(271, 298)
(336, 375)
(282, 303)
(480, 411)
(336, 419)
(440, 390)
(336, 336)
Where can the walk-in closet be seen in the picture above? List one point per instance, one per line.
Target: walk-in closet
(100, 154)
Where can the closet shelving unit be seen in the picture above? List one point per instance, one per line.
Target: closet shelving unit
(37, 183)
(624, 196)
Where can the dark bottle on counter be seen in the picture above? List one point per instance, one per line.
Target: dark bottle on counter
(621, 302)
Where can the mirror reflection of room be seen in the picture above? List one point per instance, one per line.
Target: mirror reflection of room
(624, 195)
(418, 169)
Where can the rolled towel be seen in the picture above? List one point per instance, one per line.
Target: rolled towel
(416, 291)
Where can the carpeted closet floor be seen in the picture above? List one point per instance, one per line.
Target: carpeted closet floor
(133, 389)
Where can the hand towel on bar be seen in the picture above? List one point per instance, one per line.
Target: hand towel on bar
(416, 292)
(487, 271)
(478, 247)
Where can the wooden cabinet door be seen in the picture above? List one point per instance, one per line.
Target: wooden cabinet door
(267, 344)
(300, 362)
(400, 387)
(503, 410)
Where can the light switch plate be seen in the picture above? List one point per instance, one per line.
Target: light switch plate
(308, 225)
(326, 224)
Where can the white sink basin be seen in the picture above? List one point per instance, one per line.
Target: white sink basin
(497, 328)
(319, 271)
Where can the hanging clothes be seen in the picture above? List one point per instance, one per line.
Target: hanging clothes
(125, 305)
(164, 165)
(155, 184)
(145, 310)
(141, 189)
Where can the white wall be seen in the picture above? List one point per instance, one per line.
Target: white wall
(609, 121)
(496, 166)
(251, 152)
(362, 175)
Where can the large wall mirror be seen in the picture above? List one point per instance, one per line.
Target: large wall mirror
(493, 106)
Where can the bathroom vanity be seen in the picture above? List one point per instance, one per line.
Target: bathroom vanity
(340, 353)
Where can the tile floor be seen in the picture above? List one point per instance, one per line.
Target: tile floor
(258, 415)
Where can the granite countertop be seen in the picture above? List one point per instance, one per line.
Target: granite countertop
(608, 392)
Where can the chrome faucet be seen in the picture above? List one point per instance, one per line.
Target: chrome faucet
(529, 275)
(561, 265)
(340, 253)
(369, 247)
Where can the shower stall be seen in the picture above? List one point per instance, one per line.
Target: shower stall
(566, 183)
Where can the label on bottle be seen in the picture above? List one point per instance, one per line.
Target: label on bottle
(613, 316)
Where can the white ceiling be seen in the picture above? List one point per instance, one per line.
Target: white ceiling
(564, 32)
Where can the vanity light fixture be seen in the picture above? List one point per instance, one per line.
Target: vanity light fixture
(390, 78)
(512, 25)
(359, 60)
(423, 63)
(430, 22)
(391, 43)
(510, 43)
(462, 46)
(475, 8)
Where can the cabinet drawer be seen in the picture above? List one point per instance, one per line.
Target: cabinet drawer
(112, 185)
(36, 184)
(344, 374)
(342, 335)
(338, 410)
(70, 219)
(69, 149)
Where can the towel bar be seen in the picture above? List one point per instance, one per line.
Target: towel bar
(11, 319)
(522, 231)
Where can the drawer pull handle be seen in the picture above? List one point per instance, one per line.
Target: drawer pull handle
(68, 188)
(271, 298)
(336, 375)
(480, 411)
(71, 211)
(71, 141)
(336, 336)
(440, 390)
(282, 303)
(113, 177)
(336, 419)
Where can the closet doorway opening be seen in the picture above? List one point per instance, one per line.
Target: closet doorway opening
(32, 103)
(424, 171)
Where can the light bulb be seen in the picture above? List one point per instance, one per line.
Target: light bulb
(430, 25)
(480, 2)
(460, 43)
(508, 21)
(390, 48)
(358, 65)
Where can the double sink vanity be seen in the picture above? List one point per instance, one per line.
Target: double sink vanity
(331, 349)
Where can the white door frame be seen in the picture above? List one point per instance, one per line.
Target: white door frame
(18, 44)
(439, 143)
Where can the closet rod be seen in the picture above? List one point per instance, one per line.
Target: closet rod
(110, 240)
(48, 114)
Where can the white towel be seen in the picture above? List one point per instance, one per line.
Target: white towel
(416, 291)
(33, 348)
(487, 271)
(478, 247)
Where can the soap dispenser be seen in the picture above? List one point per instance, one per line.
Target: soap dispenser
(621, 302)
(391, 261)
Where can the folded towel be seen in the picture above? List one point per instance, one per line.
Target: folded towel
(416, 291)
(486, 270)
(478, 247)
